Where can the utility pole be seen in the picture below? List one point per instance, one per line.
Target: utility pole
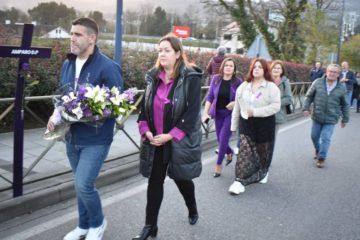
(118, 32)
(341, 22)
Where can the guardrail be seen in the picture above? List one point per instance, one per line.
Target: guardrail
(298, 90)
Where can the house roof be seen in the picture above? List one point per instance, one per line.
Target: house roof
(231, 28)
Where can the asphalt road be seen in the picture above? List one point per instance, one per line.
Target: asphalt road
(299, 202)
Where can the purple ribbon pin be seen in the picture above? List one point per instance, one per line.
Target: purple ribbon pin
(258, 95)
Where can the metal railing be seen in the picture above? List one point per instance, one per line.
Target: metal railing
(298, 90)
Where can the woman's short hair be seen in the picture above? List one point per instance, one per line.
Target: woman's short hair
(264, 64)
(281, 63)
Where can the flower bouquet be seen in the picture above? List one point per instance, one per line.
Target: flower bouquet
(90, 105)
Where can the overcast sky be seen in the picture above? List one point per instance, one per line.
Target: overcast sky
(105, 6)
(108, 7)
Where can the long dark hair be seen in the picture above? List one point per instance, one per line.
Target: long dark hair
(177, 46)
(265, 66)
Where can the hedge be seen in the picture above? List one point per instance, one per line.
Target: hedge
(42, 79)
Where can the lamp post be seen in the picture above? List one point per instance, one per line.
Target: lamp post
(341, 23)
(118, 32)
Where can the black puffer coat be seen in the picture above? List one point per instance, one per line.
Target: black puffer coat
(183, 157)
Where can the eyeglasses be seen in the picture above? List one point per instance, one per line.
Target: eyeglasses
(334, 72)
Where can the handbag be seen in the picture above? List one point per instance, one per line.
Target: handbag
(289, 109)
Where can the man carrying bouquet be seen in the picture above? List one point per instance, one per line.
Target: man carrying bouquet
(87, 145)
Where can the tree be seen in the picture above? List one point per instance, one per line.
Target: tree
(131, 21)
(289, 45)
(319, 35)
(14, 15)
(161, 24)
(98, 17)
(290, 36)
(247, 28)
(350, 52)
(52, 13)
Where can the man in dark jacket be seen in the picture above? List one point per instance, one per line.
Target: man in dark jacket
(215, 62)
(87, 146)
(348, 79)
(316, 72)
(329, 99)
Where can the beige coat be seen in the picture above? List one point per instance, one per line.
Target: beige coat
(265, 102)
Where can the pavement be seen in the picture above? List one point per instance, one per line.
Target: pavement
(300, 201)
(50, 179)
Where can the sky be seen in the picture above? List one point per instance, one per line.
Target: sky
(105, 6)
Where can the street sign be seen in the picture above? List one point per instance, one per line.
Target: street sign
(24, 53)
(181, 31)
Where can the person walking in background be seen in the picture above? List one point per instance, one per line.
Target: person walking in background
(219, 104)
(348, 79)
(316, 72)
(170, 126)
(215, 62)
(356, 92)
(87, 146)
(328, 96)
(257, 101)
(278, 75)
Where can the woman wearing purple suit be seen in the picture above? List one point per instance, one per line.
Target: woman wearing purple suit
(219, 105)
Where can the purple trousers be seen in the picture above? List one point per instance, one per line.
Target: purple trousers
(223, 133)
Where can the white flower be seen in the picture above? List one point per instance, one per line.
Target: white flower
(72, 96)
(100, 95)
(78, 112)
(115, 91)
(92, 92)
(65, 98)
(116, 100)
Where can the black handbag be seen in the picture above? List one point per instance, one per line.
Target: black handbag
(289, 109)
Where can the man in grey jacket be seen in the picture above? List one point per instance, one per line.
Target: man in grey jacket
(329, 99)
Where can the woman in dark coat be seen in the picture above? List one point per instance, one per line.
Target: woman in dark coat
(170, 126)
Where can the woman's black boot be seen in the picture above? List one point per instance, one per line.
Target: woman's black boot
(193, 215)
(147, 231)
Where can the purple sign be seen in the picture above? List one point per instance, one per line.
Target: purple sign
(18, 52)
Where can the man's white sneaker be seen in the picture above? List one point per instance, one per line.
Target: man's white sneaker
(265, 179)
(236, 188)
(97, 233)
(76, 234)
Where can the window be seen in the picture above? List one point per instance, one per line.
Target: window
(240, 51)
(227, 36)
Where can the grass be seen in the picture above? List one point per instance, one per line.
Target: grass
(154, 40)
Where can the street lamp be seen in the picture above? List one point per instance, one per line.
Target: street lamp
(341, 37)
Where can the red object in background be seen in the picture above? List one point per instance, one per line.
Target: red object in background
(181, 31)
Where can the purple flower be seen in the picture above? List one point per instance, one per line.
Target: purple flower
(87, 111)
(130, 94)
(81, 93)
(25, 67)
(107, 112)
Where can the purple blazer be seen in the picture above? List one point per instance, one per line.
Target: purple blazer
(214, 92)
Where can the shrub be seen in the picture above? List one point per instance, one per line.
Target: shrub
(42, 79)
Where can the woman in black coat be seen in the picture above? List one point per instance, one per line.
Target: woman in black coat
(170, 126)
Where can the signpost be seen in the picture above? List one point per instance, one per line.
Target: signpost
(181, 31)
(24, 53)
